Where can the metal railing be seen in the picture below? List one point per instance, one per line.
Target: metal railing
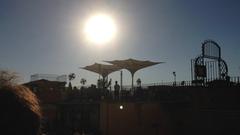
(233, 80)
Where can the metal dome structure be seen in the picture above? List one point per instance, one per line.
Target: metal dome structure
(209, 65)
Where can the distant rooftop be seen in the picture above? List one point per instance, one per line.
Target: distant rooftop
(49, 77)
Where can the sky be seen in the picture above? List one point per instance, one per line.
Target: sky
(45, 36)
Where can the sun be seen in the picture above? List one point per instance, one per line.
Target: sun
(100, 29)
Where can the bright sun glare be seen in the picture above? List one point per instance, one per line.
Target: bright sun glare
(100, 29)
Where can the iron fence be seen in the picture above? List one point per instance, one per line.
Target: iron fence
(233, 80)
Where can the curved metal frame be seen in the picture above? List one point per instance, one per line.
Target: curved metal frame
(207, 42)
(199, 61)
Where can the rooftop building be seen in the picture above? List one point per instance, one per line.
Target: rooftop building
(49, 77)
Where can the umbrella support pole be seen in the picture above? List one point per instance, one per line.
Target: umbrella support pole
(132, 90)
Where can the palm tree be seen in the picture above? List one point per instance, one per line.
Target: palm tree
(71, 77)
(83, 81)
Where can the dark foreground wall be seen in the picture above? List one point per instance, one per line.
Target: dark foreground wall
(135, 118)
(157, 110)
(175, 110)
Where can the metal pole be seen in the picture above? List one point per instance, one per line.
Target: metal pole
(191, 69)
(121, 76)
(175, 80)
(219, 69)
(132, 82)
(207, 75)
(211, 70)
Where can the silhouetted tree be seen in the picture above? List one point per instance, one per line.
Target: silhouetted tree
(71, 77)
(83, 81)
(8, 77)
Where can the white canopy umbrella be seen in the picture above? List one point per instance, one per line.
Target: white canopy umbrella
(133, 65)
(102, 69)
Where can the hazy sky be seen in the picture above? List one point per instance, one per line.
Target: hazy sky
(45, 36)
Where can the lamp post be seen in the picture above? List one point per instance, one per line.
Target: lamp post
(174, 75)
(238, 77)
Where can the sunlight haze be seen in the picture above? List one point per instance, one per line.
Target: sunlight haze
(100, 29)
